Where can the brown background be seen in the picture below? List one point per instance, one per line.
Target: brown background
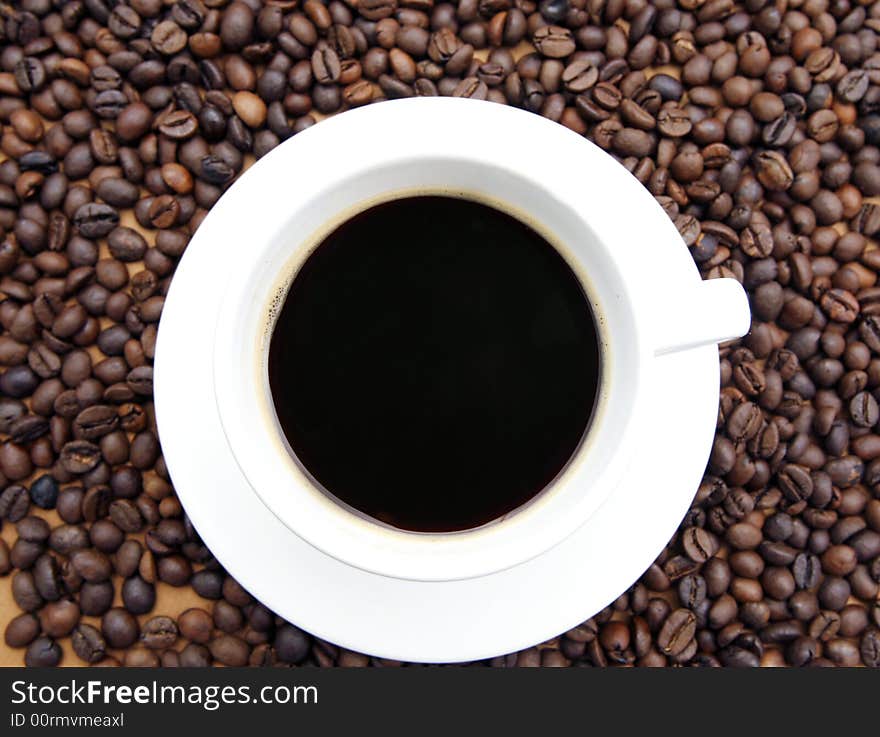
(172, 601)
(169, 600)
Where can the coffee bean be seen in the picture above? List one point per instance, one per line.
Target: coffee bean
(864, 410)
(869, 648)
(358, 93)
(22, 630)
(168, 38)
(699, 544)
(580, 76)
(44, 362)
(212, 169)
(25, 593)
(229, 650)
(159, 633)
(195, 656)
(88, 644)
(633, 142)
(30, 74)
(48, 578)
(80, 456)
(807, 570)
(178, 124)
(119, 628)
(673, 122)
(677, 632)
(95, 422)
(174, 570)
(126, 245)
(106, 536)
(14, 503)
(227, 618)
(795, 482)
(207, 584)
(554, 42)
(92, 565)
(44, 492)
(57, 619)
(24, 553)
(471, 87)
(43, 653)
(138, 595)
(773, 171)
(96, 598)
(95, 220)
(833, 593)
(133, 121)
(196, 625)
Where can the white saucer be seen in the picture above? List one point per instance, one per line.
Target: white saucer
(409, 620)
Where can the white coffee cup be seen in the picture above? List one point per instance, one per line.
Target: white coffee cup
(573, 193)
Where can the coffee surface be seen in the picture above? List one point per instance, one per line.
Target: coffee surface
(435, 363)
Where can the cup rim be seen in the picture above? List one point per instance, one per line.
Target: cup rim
(419, 555)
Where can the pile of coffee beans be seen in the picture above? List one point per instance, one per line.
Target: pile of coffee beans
(755, 124)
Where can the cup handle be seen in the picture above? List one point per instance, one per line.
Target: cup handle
(715, 311)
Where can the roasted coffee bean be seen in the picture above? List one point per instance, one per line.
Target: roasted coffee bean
(326, 65)
(208, 584)
(673, 122)
(140, 657)
(48, 577)
(580, 76)
(869, 648)
(699, 544)
(227, 618)
(64, 539)
(57, 619)
(174, 570)
(140, 380)
(44, 492)
(178, 125)
(43, 653)
(96, 598)
(30, 74)
(195, 656)
(677, 632)
(126, 244)
(125, 515)
(773, 171)
(554, 42)
(88, 644)
(159, 633)
(106, 536)
(25, 593)
(229, 650)
(80, 456)
(119, 628)
(24, 553)
(14, 502)
(212, 169)
(196, 625)
(95, 220)
(95, 422)
(92, 565)
(22, 630)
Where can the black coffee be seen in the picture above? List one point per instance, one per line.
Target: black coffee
(435, 363)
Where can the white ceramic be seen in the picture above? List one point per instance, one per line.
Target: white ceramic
(269, 523)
